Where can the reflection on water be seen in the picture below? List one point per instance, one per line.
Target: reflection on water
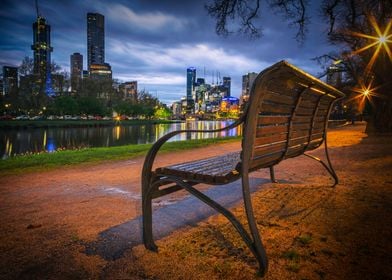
(35, 140)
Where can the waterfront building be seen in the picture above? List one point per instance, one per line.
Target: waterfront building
(42, 56)
(76, 71)
(129, 90)
(10, 80)
(95, 39)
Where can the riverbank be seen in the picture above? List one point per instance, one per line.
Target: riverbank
(47, 161)
(54, 223)
(76, 123)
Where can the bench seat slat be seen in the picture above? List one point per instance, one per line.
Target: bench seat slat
(221, 169)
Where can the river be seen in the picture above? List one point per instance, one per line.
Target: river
(24, 140)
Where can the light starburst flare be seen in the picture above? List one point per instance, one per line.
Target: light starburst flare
(380, 41)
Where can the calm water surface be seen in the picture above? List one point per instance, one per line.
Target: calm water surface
(33, 140)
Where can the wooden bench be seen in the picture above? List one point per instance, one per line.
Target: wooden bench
(287, 115)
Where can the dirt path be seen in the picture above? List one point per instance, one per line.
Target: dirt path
(48, 218)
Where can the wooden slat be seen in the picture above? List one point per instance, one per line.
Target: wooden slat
(270, 129)
(275, 108)
(263, 120)
(308, 103)
(304, 111)
(270, 139)
(268, 149)
(301, 126)
(265, 161)
(278, 98)
(298, 141)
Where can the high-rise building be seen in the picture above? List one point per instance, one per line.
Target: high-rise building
(247, 82)
(190, 88)
(190, 82)
(227, 85)
(334, 75)
(76, 71)
(10, 79)
(42, 50)
(95, 39)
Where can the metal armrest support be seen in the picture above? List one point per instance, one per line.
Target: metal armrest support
(150, 157)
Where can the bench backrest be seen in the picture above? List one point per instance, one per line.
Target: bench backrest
(287, 114)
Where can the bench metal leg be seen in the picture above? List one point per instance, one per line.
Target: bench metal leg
(272, 174)
(260, 253)
(328, 167)
(147, 218)
(254, 244)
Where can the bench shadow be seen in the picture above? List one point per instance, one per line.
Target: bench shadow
(113, 242)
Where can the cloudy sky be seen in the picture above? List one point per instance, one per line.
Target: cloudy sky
(154, 41)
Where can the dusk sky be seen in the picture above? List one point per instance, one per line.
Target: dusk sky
(154, 41)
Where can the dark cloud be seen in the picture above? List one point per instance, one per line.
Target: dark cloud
(155, 41)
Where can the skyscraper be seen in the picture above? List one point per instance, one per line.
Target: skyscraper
(95, 39)
(190, 88)
(190, 82)
(227, 85)
(10, 79)
(42, 49)
(76, 71)
(247, 82)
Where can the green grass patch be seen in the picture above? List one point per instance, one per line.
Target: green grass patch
(47, 161)
(293, 259)
(304, 239)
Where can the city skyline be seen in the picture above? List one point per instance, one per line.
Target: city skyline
(154, 43)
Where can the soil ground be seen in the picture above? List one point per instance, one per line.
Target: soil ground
(54, 224)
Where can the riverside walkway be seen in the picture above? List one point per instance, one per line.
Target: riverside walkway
(84, 222)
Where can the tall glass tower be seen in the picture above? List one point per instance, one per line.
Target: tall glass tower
(95, 39)
(190, 82)
(42, 49)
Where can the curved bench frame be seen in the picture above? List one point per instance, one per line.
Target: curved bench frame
(151, 181)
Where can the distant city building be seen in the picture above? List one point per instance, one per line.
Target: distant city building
(42, 52)
(200, 81)
(10, 80)
(177, 109)
(58, 84)
(1, 87)
(334, 75)
(247, 82)
(85, 74)
(227, 85)
(190, 88)
(129, 90)
(76, 71)
(95, 39)
(101, 71)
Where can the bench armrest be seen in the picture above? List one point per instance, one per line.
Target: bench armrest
(150, 157)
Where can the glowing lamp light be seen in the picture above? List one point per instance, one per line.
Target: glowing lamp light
(379, 42)
(382, 39)
(366, 92)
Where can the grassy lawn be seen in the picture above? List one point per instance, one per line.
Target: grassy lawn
(46, 161)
